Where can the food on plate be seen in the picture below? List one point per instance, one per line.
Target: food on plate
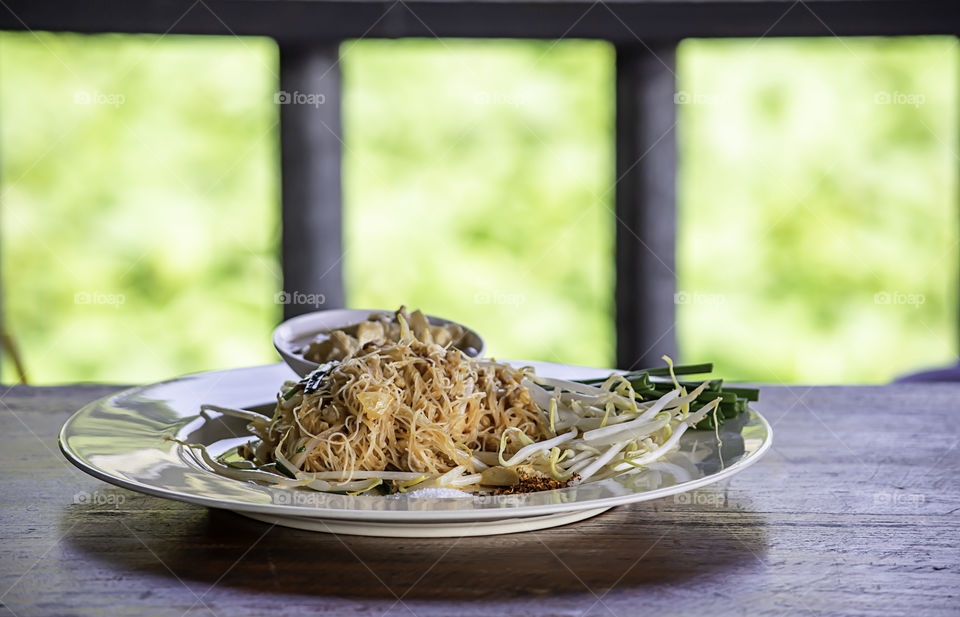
(379, 329)
(410, 414)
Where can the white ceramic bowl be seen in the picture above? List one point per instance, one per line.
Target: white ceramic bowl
(295, 334)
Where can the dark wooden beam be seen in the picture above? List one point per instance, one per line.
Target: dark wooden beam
(645, 205)
(310, 132)
(619, 21)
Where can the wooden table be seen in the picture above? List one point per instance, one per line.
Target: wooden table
(853, 512)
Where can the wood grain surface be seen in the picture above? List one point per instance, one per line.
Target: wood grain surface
(852, 512)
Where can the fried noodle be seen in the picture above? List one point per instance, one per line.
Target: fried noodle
(408, 406)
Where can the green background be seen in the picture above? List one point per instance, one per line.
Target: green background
(817, 189)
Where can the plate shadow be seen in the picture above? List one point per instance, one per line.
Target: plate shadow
(645, 544)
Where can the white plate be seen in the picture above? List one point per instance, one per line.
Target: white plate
(121, 439)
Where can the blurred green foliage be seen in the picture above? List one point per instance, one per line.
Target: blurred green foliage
(146, 169)
(818, 197)
(476, 187)
(477, 182)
